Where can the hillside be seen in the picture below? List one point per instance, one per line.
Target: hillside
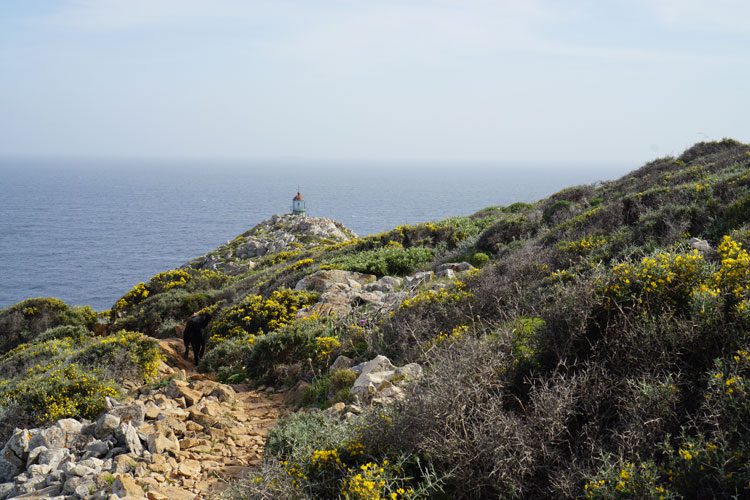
(591, 344)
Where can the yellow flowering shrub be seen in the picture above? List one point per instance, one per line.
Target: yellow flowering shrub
(375, 481)
(562, 275)
(168, 280)
(455, 335)
(325, 346)
(628, 480)
(137, 355)
(325, 459)
(454, 294)
(60, 393)
(255, 315)
(582, 246)
(734, 274)
(299, 264)
(284, 256)
(682, 279)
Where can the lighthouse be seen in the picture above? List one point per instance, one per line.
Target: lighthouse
(298, 205)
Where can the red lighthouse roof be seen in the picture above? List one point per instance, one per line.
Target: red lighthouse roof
(298, 197)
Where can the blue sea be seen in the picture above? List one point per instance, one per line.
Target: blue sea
(86, 231)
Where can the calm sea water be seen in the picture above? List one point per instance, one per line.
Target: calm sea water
(87, 231)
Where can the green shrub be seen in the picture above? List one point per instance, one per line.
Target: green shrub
(227, 359)
(76, 333)
(509, 228)
(552, 211)
(24, 321)
(301, 433)
(123, 356)
(318, 393)
(70, 391)
(393, 261)
(176, 279)
(158, 314)
(341, 382)
(296, 343)
(479, 259)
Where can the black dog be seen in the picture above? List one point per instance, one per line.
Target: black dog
(193, 335)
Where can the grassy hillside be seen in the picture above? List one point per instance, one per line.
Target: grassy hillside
(599, 349)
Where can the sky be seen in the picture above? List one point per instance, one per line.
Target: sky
(385, 80)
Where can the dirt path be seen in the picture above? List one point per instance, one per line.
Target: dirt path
(221, 430)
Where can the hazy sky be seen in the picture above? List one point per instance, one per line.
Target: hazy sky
(466, 80)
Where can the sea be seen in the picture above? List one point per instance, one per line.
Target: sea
(86, 231)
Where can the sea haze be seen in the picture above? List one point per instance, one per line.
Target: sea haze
(87, 231)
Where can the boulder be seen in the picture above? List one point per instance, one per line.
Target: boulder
(335, 410)
(374, 383)
(6, 489)
(410, 371)
(54, 457)
(373, 298)
(189, 468)
(386, 284)
(447, 274)
(14, 454)
(181, 389)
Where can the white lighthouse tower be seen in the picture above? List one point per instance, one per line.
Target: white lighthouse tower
(298, 205)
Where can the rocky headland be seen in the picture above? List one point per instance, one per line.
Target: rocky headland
(591, 344)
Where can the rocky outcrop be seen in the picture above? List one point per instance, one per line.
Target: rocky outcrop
(175, 442)
(341, 290)
(380, 382)
(277, 234)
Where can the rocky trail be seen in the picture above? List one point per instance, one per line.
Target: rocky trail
(184, 436)
(225, 426)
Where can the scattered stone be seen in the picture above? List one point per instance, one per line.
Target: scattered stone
(417, 279)
(456, 267)
(125, 487)
(160, 443)
(97, 448)
(342, 363)
(128, 437)
(224, 393)
(701, 245)
(335, 410)
(70, 426)
(296, 394)
(187, 452)
(134, 413)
